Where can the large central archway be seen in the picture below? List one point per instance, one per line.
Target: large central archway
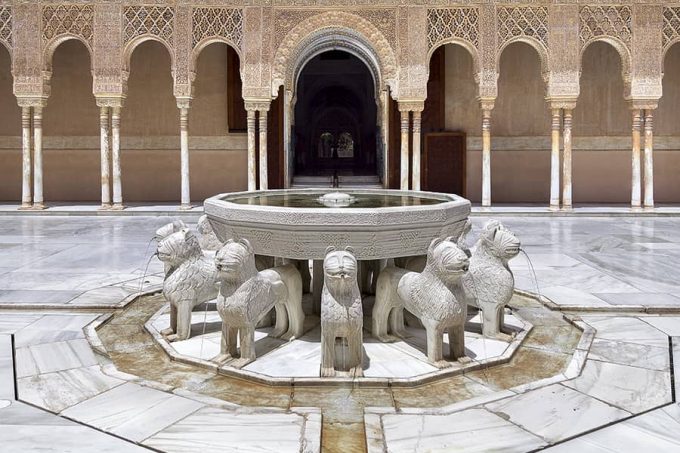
(335, 125)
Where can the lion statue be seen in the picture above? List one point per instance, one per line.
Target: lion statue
(489, 284)
(246, 296)
(189, 281)
(434, 296)
(341, 311)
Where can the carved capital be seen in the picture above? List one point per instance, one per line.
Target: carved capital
(257, 104)
(643, 104)
(32, 101)
(559, 102)
(110, 101)
(183, 102)
(487, 103)
(411, 105)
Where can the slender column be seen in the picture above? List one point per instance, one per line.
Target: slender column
(115, 157)
(104, 156)
(486, 157)
(26, 157)
(404, 149)
(555, 160)
(38, 202)
(649, 160)
(415, 181)
(263, 151)
(566, 161)
(251, 150)
(184, 156)
(636, 195)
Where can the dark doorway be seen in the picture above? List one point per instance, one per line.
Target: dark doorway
(335, 117)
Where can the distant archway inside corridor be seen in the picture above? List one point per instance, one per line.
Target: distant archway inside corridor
(335, 129)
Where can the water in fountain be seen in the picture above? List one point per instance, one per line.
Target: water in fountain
(533, 272)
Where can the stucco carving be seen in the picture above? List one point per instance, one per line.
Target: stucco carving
(6, 26)
(341, 311)
(189, 279)
(489, 284)
(154, 21)
(246, 296)
(671, 26)
(347, 29)
(67, 21)
(446, 24)
(226, 23)
(524, 23)
(605, 21)
(435, 296)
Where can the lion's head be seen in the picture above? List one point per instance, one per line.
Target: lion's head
(235, 261)
(340, 272)
(500, 241)
(446, 260)
(178, 247)
(206, 234)
(168, 229)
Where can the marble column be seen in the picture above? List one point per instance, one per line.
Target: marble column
(26, 158)
(566, 160)
(636, 189)
(38, 202)
(555, 160)
(415, 180)
(264, 185)
(649, 160)
(404, 149)
(104, 156)
(184, 155)
(115, 158)
(251, 151)
(486, 157)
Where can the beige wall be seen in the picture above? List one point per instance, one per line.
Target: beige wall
(149, 130)
(520, 128)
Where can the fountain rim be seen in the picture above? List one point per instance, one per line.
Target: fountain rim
(448, 201)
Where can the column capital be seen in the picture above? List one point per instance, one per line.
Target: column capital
(110, 101)
(261, 104)
(643, 104)
(31, 101)
(411, 105)
(183, 102)
(487, 103)
(559, 102)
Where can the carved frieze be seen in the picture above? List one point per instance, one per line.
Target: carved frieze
(605, 21)
(76, 20)
(444, 24)
(523, 21)
(671, 26)
(224, 23)
(158, 21)
(6, 25)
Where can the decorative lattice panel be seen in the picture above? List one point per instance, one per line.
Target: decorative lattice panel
(218, 22)
(671, 25)
(516, 22)
(6, 25)
(153, 20)
(68, 19)
(447, 23)
(614, 21)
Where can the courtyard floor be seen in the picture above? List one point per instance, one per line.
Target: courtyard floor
(597, 373)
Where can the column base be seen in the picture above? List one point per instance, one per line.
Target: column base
(636, 208)
(26, 206)
(37, 207)
(567, 207)
(648, 207)
(185, 207)
(554, 207)
(104, 207)
(117, 207)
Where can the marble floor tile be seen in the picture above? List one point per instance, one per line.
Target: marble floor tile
(643, 299)
(628, 330)
(132, 411)
(107, 295)
(52, 328)
(18, 297)
(670, 325)
(62, 389)
(472, 430)
(629, 388)
(6, 368)
(638, 355)
(26, 429)
(11, 322)
(556, 412)
(656, 431)
(563, 295)
(51, 357)
(210, 430)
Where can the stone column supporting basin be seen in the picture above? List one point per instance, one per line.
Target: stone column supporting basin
(376, 223)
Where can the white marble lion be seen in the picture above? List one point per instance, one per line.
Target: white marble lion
(489, 284)
(246, 296)
(341, 311)
(433, 295)
(189, 281)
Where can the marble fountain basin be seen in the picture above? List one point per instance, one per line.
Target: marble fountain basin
(301, 224)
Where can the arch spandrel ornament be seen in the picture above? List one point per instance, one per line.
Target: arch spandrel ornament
(671, 27)
(611, 24)
(527, 24)
(458, 26)
(6, 27)
(62, 23)
(143, 23)
(213, 24)
(351, 32)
